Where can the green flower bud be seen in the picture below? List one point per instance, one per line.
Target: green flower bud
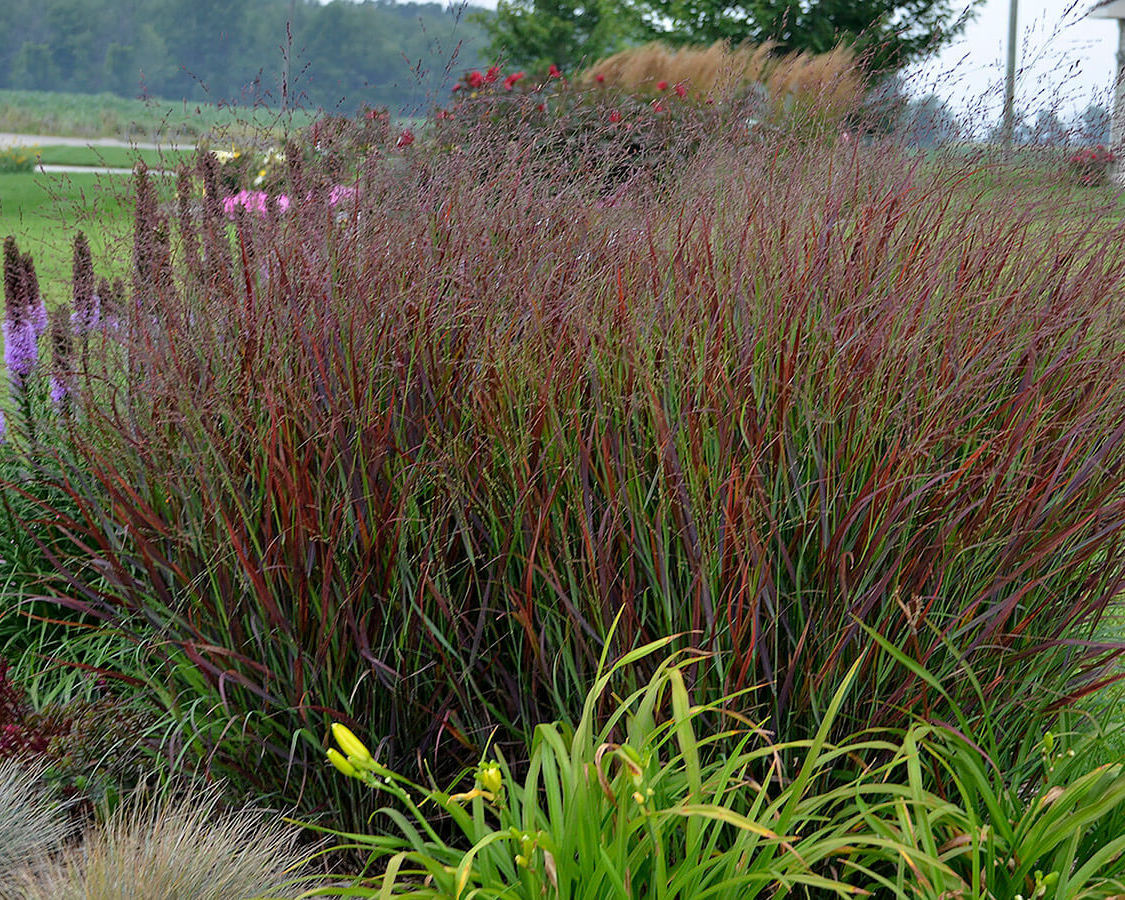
(335, 757)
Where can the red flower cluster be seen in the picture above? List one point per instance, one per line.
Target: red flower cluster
(476, 79)
(681, 91)
(1093, 156)
(553, 72)
(662, 85)
(615, 117)
(405, 139)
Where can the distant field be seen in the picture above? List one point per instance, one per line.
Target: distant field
(44, 212)
(107, 115)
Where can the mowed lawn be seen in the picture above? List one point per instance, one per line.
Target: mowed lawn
(44, 212)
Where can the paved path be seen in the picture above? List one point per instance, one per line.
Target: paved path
(49, 169)
(7, 139)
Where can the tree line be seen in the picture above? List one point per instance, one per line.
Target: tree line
(339, 55)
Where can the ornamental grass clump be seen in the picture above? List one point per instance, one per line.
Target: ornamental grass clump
(433, 440)
(796, 91)
(32, 822)
(185, 848)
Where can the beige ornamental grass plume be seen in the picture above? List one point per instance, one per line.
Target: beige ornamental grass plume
(32, 824)
(183, 848)
(829, 83)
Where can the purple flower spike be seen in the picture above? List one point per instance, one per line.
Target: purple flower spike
(59, 390)
(21, 348)
(39, 317)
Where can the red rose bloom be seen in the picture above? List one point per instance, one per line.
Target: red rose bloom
(474, 79)
(662, 85)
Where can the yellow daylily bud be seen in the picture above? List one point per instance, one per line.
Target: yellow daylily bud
(352, 746)
(490, 778)
(335, 757)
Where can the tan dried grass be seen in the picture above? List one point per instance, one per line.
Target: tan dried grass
(182, 849)
(830, 83)
(32, 824)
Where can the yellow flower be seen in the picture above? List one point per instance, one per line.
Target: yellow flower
(357, 753)
(490, 778)
(341, 763)
(470, 795)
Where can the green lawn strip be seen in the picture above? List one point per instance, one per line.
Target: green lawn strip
(106, 115)
(44, 212)
(110, 157)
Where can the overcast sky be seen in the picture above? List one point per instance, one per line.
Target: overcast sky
(1065, 58)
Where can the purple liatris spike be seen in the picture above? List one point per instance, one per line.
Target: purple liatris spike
(87, 305)
(62, 349)
(21, 348)
(59, 391)
(33, 301)
(13, 278)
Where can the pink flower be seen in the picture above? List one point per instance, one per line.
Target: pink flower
(282, 202)
(340, 193)
(553, 71)
(405, 139)
(510, 81)
(457, 87)
(662, 85)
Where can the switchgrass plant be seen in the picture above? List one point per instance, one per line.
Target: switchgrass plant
(175, 848)
(399, 461)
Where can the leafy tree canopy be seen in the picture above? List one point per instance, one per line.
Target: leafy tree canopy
(567, 33)
(338, 55)
(887, 34)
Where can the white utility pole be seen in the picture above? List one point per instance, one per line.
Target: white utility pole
(1009, 124)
